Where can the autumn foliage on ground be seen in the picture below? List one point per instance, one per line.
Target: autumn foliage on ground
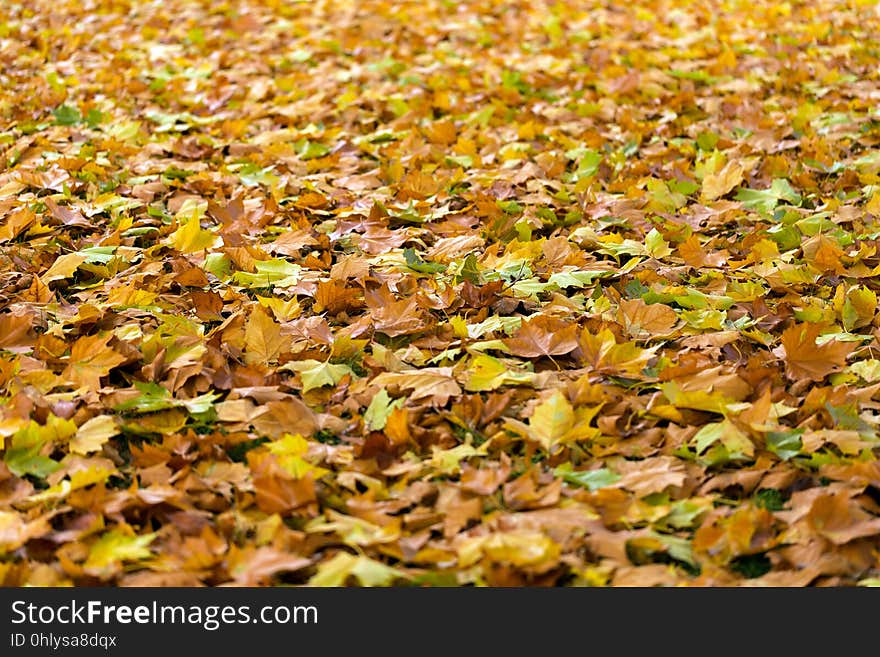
(439, 293)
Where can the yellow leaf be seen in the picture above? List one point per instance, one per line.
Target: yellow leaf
(93, 434)
(191, 238)
(290, 451)
(369, 572)
(556, 422)
(489, 373)
(716, 185)
(263, 339)
(114, 547)
(63, 267)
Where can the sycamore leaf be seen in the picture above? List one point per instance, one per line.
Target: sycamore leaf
(380, 408)
(766, 200)
(716, 185)
(77, 480)
(643, 320)
(317, 374)
(436, 383)
(556, 422)
(524, 549)
(805, 359)
(63, 267)
(489, 373)
(368, 572)
(543, 336)
(27, 451)
(16, 331)
(655, 245)
(602, 352)
(290, 451)
(114, 547)
(262, 337)
(91, 358)
(591, 479)
(276, 272)
(190, 237)
(93, 433)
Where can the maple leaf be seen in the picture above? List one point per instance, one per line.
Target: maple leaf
(719, 183)
(91, 358)
(93, 433)
(602, 352)
(641, 319)
(368, 572)
(113, 547)
(556, 422)
(436, 383)
(316, 374)
(393, 317)
(805, 359)
(16, 331)
(262, 338)
(543, 336)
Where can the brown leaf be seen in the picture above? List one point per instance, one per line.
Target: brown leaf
(16, 331)
(276, 490)
(804, 359)
(91, 358)
(641, 319)
(840, 520)
(543, 336)
(285, 416)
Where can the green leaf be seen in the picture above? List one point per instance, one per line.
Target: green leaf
(251, 175)
(24, 456)
(785, 444)
(219, 265)
(155, 397)
(309, 150)
(94, 118)
(765, 201)
(115, 546)
(276, 272)
(317, 374)
(470, 271)
(380, 408)
(66, 115)
(415, 262)
(591, 479)
(579, 278)
(656, 246)
(706, 141)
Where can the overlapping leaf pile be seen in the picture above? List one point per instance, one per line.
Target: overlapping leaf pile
(439, 293)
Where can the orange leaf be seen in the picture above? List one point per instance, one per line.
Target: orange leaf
(543, 336)
(90, 359)
(641, 319)
(804, 359)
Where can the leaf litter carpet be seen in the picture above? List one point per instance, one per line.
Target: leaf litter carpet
(439, 293)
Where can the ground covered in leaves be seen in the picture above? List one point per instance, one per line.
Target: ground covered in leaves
(439, 293)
